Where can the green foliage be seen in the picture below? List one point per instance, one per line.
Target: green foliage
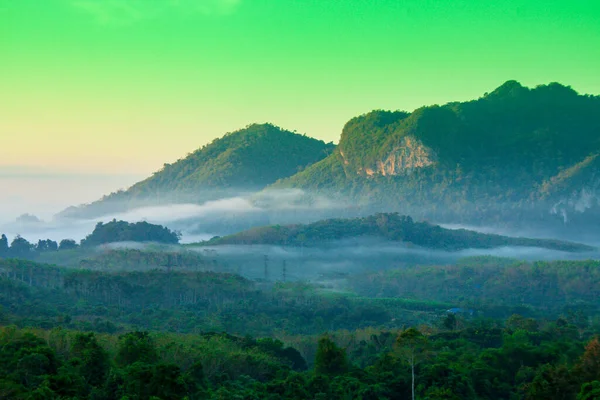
(531, 365)
(132, 259)
(121, 231)
(330, 359)
(393, 227)
(136, 347)
(473, 358)
(3, 246)
(552, 382)
(509, 156)
(176, 299)
(93, 363)
(20, 248)
(494, 287)
(67, 244)
(247, 159)
(589, 391)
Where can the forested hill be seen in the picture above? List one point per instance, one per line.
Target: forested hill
(510, 151)
(391, 227)
(245, 160)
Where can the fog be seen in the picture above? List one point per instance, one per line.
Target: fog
(45, 195)
(328, 264)
(196, 222)
(336, 260)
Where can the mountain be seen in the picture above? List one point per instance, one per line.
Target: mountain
(392, 227)
(517, 156)
(515, 153)
(245, 160)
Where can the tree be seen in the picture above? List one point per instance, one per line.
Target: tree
(195, 381)
(450, 321)
(588, 368)
(20, 247)
(3, 246)
(411, 346)
(330, 359)
(517, 321)
(122, 231)
(94, 362)
(552, 382)
(166, 382)
(46, 245)
(136, 347)
(67, 244)
(589, 391)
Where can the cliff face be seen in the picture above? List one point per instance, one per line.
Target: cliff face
(515, 153)
(409, 155)
(575, 189)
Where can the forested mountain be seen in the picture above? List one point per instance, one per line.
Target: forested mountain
(392, 227)
(512, 153)
(515, 155)
(245, 160)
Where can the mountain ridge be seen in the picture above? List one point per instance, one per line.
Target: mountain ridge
(242, 161)
(514, 154)
(389, 226)
(497, 154)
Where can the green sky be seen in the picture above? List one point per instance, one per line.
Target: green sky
(122, 86)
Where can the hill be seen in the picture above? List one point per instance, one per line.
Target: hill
(245, 160)
(514, 154)
(122, 231)
(391, 227)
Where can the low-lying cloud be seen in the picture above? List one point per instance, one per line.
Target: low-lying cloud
(196, 221)
(339, 259)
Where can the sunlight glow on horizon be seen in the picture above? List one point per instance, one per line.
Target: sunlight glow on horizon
(97, 94)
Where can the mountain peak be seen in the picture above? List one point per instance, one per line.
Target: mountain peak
(244, 160)
(509, 88)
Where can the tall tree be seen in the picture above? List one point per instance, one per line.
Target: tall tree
(46, 245)
(411, 346)
(588, 368)
(330, 359)
(20, 247)
(94, 361)
(3, 246)
(136, 347)
(67, 244)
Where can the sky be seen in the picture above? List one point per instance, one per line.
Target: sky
(119, 87)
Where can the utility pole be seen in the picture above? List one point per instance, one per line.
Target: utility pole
(170, 277)
(266, 267)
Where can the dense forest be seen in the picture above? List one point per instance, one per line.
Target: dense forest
(372, 306)
(20, 247)
(516, 156)
(508, 157)
(168, 323)
(111, 232)
(390, 226)
(115, 293)
(520, 358)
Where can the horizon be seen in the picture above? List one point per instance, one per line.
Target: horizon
(91, 81)
(49, 171)
(26, 183)
(299, 199)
